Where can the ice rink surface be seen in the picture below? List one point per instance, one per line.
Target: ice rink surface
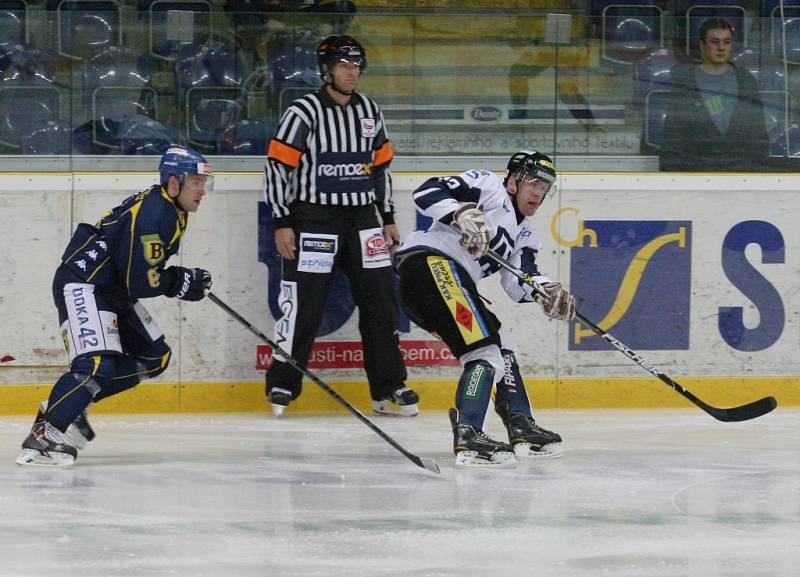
(637, 494)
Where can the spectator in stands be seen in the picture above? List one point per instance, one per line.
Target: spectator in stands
(715, 119)
(260, 26)
(266, 29)
(339, 14)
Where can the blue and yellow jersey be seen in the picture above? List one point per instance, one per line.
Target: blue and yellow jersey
(125, 252)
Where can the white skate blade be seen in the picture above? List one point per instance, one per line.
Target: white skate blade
(470, 459)
(277, 410)
(549, 451)
(389, 407)
(31, 457)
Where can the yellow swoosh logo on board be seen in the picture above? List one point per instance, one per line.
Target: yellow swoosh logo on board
(630, 282)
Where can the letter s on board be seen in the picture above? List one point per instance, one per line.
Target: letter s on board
(753, 285)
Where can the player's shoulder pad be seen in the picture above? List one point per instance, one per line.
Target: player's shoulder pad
(487, 181)
(491, 186)
(475, 176)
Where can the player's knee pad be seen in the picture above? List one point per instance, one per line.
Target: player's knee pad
(155, 360)
(491, 355)
(94, 372)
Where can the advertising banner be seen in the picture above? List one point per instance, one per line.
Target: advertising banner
(697, 272)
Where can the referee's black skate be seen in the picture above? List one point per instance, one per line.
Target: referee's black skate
(279, 399)
(403, 402)
(46, 446)
(473, 448)
(529, 440)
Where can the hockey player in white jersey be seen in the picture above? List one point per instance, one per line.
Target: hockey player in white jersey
(439, 270)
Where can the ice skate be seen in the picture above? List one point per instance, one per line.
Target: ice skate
(473, 448)
(279, 399)
(529, 440)
(402, 403)
(46, 446)
(80, 431)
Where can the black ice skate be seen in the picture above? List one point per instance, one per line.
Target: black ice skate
(402, 403)
(78, 433)
(529, 440)
(279, 399)
(46, 446)
(473, 448)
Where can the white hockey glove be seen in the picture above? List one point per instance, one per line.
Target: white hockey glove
(470, 221)
(559, 304)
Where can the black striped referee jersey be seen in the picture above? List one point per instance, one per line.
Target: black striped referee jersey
(327, 154)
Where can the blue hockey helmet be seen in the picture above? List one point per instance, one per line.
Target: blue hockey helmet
(180, 161)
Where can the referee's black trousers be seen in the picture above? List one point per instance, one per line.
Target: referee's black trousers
(373, 294)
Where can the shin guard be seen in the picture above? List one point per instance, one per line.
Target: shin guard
(474, 392)
(511, 388)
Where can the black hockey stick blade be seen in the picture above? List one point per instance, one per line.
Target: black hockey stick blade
(422, 462)
(746, 412)
(730, 415)
(428, 463)
(727, 415)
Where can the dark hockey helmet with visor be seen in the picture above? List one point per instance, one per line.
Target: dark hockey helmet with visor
(341, 48)
(530, 166)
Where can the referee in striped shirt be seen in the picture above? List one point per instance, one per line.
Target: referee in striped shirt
(326, 180)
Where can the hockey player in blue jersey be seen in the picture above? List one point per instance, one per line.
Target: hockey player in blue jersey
(439, 270)
(111, 340)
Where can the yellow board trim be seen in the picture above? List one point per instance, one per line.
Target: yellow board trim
(435, 395)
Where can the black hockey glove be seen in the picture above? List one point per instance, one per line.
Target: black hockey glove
(190, 284)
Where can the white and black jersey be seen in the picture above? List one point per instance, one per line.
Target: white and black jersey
(330, 155)
(511, 235)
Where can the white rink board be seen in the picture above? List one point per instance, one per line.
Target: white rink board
(38, 211)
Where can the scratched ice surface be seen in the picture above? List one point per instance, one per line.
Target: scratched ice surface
(637, 494)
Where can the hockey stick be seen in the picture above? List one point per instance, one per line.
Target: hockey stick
(733, 414)
(423, 462)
